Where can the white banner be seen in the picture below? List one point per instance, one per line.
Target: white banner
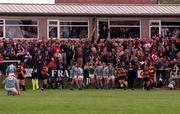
(140, 73)
(28, 72)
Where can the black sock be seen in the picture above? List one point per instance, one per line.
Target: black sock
(44, 86)
(23, 87)
(20, 86)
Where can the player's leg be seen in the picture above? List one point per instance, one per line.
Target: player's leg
(37, 83)
(33, 83)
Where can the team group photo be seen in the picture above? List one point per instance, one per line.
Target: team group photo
(91, 56)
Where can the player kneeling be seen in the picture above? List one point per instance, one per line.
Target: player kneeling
(172, 85)
(11, 84)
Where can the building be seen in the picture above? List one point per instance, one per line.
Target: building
(89, 18)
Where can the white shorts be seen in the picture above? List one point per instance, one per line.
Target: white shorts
(11, 89)
(105, 77)
(112, 77)
(91, 75)
(75, 77)
(80, 77)
(99, 77)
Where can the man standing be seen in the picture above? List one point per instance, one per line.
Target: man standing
(99, 75)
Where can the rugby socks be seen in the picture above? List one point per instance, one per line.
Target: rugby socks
(106, 85)
(44, 86)
(81, 84)
(78, 85)
(37, 84)
(20, 86)
(101, 84)
(33, 83)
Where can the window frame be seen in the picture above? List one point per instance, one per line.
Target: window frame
(16, 25)
(160, 26)
(66, 20)
(3, 25)
(157, 26)
(118, 19)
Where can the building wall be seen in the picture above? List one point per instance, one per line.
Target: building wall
(145, 27)
(92, 22)
(109, 1)
(43, 28)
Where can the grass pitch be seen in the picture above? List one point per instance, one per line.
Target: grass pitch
(91, 102)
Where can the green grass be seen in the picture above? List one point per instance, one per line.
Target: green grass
(91, 102)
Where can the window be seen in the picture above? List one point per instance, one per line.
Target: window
(68, 29)
(119, 28)
(155, 28)
(170, 29)
(164, 28)
(1, 28)
(21, 29)
(124, 29)
(103, 29)
(53, 29)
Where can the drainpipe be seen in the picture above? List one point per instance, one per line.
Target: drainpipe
(158, 1)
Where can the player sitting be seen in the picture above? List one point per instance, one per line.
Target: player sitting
(172, 85)
(59, 83)
(11, 84)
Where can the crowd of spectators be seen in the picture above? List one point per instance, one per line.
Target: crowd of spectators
(59, 54)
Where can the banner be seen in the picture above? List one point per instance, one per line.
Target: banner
(52, 73)
(140, 73)
(60, 73)
(28, 72)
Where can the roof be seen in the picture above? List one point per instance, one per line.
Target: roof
(90, 9)
(109, 1)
